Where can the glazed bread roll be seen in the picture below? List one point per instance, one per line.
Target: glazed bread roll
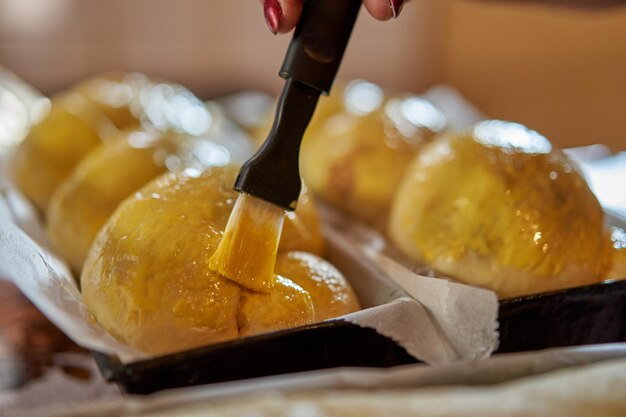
(80, 119)
(73, 127)
(147, 274)
(498, 207)
(117, 95)
(359, 145)
(86, 199)
(286, 305)
(331, 294)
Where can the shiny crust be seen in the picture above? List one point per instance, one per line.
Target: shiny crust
(516, 220)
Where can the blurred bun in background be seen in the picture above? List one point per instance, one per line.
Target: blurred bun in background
(497, 206)
(73, 127)
(360, 143)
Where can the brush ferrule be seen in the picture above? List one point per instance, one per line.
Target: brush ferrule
(273, 172)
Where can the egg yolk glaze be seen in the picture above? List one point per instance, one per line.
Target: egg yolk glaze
(498, 207)
(331, 294)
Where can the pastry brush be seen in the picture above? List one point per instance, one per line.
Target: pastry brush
(269, 182)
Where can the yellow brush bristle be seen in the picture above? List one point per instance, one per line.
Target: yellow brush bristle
(247, 252)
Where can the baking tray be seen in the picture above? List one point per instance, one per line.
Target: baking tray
(580, 316)
(328, 344)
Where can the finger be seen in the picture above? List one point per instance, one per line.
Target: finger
(282, 15)
(291, 13)
(383, 9)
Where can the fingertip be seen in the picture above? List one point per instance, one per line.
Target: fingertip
(379, 9)
(273, 14)
(292, 9)
(284, 14)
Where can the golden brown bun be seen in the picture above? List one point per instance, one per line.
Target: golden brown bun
(73, 127)
(116, 94)
(90, 194)
(499, 208)
(286, 305)
(131, 100)
(331, 294)
(147, 274)
(359, 143)
(90, 112)
(354, 157)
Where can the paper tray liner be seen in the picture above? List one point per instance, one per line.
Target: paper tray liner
(578, 316)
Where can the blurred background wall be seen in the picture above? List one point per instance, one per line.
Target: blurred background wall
(561, 71)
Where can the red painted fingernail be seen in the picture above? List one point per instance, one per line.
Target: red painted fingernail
(396, 7)
(273, 14)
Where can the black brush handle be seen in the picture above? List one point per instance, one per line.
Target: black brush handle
(319, 41)
(273, 172)
(310, 66)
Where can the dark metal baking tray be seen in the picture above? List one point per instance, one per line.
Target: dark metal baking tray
(579, 316)
(325, 345)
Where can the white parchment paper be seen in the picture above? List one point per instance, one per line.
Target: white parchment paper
(464, 317)
(48, 283)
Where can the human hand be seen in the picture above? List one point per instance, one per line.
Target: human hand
(282, 15)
